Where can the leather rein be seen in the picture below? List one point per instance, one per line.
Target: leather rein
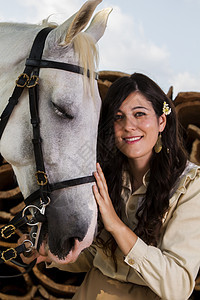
(38, 200)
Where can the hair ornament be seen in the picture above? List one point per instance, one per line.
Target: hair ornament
(166, 108)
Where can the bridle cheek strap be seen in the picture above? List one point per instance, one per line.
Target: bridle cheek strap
(36, 63)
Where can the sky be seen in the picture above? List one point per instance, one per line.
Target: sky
(159, 38)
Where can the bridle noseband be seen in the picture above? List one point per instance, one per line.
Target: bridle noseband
(30, 78)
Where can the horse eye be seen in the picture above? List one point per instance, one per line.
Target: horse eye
(61, 112)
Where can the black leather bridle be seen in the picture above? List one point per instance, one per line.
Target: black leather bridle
(39, 199)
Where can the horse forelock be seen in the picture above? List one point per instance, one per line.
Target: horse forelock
(88, 56)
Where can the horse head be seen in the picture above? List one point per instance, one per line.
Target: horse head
(69, 107)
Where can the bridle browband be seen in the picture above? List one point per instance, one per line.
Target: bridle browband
(57, 65)
(30, 79)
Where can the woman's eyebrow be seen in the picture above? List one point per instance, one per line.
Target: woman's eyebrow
(139, 107)
(135, 107)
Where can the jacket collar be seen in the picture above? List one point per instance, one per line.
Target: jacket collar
(126, 183)
(188, 174)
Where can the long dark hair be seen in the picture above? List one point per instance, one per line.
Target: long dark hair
(165, 167)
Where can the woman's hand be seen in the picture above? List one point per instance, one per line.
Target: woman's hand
(123, 235)
(109, 216)
(28, 257)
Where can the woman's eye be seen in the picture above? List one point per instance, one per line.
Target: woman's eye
(61, 112)
(118, 117)
(139, 114)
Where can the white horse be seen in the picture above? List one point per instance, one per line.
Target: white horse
(69, 106)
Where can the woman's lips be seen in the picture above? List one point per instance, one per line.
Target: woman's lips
(133, 139)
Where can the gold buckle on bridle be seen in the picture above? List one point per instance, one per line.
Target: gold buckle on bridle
(33, 81)
(44, 175)
(14, 254)
(11, 227)
(23, 75)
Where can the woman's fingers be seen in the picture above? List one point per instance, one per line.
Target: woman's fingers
(28, 260)
(96, 193)
(31, 253)
(101, 183)
(101, 175)
(100, 189)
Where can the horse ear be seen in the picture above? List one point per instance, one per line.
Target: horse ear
(98, 24)
(65, 32)
(81, 19)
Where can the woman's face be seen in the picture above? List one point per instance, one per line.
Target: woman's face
(137, 127)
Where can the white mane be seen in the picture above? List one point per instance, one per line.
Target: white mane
(88, 58)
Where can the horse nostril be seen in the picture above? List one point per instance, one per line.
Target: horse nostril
(68, 244)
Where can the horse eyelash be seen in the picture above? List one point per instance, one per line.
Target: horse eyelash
(60, 112)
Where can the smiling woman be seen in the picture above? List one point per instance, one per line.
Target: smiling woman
(133, 109)
(148, 241)
(136, 129)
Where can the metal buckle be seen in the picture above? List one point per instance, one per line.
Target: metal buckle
(33, 81)
(41, 209)
(14, 254)
(42, 181)
(34, 207)
(10, 227)
(28, 249)
(22, 76)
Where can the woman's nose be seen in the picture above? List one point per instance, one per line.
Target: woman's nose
(130, 123)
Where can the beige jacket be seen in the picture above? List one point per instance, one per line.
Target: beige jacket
(169, 269)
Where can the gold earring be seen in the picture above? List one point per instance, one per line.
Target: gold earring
(158, 144)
